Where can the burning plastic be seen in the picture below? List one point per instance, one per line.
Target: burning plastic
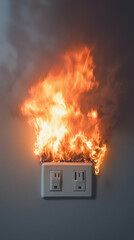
(64, 131)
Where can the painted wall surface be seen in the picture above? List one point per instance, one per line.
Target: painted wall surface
(31, 34)
(24, 215)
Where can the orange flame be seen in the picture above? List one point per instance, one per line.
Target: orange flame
(64, 131)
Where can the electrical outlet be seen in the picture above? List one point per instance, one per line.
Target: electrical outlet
(64, 180)
(55, 180)
(79, 180)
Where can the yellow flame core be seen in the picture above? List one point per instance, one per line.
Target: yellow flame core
(63, 131)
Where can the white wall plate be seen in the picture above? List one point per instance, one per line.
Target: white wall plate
(66, 180)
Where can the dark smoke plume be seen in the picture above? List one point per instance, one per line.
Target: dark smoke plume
(35, 32)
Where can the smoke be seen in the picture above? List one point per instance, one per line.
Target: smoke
(35, 32)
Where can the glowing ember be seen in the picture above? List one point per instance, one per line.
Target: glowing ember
(64, 132)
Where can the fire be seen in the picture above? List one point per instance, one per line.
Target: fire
(93, 114)
(64, 132)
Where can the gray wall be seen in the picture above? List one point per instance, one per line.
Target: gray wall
(29, 29)
(24, 215)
